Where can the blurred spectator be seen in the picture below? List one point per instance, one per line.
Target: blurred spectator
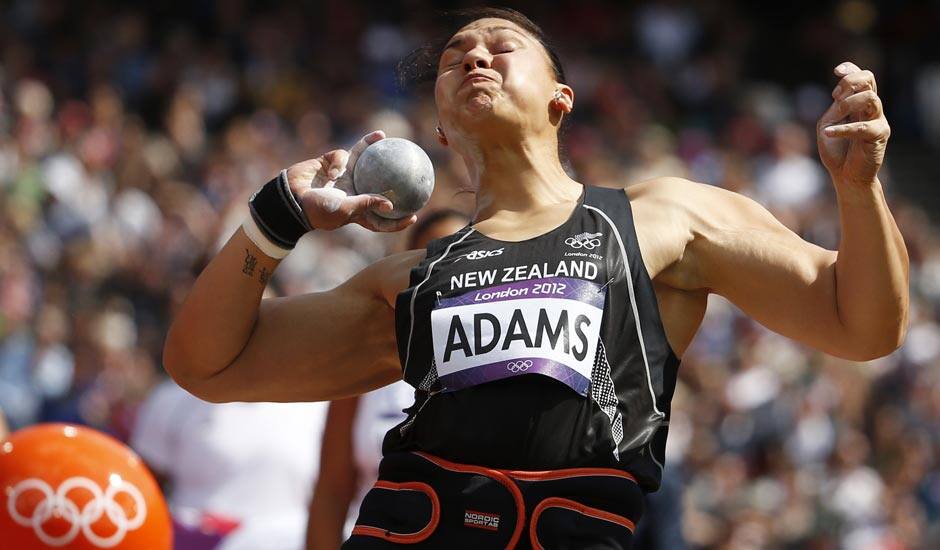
(791, 179)
(4, 429)
(239, 473)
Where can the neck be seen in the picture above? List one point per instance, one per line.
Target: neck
(518, 176)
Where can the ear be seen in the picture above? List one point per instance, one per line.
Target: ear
(563, 98)
(441, 138)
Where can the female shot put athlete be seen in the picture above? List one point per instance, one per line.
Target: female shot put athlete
(543, 338)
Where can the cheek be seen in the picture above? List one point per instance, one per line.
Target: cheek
(443, 100)
(441, 95)
(521, 79)
(446, 85)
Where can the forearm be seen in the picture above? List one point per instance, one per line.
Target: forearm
(218, 315)
(872, 270)
(327, 519)
(336, 484)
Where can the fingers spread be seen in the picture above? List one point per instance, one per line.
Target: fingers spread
(361, 145)
(327, 199)
(334, 163)
(373, 136)
(301, 174)
(365, 214)
(345, 181)
(377, 223)
(321, 186)
(360, 204)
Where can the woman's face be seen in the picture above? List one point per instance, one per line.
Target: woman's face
(514, 82)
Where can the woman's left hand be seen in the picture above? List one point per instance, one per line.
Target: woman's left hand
(853, 133)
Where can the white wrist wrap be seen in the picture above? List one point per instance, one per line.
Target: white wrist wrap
(256, 236)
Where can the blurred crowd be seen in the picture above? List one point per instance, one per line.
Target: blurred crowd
(131, 138)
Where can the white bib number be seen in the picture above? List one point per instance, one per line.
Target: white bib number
(548, 326)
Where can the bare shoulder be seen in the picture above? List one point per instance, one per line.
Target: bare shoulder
(668, 199)
(661, 218)
(700, 205)
(663, 211)
(674, 216)
(389, 276)
(691, 220)
(678, 194)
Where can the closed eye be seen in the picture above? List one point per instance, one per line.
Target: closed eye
(503, 50)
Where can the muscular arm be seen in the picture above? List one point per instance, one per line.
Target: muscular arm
(851, 303)
(226, 344)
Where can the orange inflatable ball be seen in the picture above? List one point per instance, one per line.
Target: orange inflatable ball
(64, 486)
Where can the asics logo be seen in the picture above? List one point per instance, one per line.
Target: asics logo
(58, 504)
(589, 241)
(480, 254)
(519, 366)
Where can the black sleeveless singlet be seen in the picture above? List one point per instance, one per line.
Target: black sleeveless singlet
(539, 354)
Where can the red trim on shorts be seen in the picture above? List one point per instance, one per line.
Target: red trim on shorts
(488, 472)
(566, 473)
(405, 538)
(559, 502)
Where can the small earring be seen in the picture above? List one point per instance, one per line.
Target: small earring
(439, 131)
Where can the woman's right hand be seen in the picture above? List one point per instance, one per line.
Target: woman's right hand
(323, 187)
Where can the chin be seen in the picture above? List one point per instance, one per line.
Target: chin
(480, 105)
(481, 114)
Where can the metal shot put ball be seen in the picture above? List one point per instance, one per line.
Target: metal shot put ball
(397, 169)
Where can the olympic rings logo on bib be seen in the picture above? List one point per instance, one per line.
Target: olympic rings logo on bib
(58, 504)
(519, 366)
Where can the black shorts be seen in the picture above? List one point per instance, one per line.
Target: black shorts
(423, 501)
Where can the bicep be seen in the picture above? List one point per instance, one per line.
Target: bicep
(742, 252)
(322, 346)
(315, 347)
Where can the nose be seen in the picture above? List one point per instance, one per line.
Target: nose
(477, 58)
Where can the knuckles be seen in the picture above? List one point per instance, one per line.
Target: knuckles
(866, 103)
(854, 83)
(881, 131)
(858, 81)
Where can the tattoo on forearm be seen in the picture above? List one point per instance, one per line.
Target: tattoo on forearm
(250, 262)
(264, 275)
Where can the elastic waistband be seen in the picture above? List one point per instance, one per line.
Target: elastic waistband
(527, 475)
(427, 500)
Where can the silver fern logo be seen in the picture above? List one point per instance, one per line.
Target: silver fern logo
(587, 241)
